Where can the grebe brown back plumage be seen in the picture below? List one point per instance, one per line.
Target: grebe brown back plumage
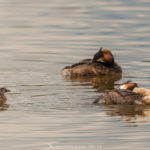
(102, 64)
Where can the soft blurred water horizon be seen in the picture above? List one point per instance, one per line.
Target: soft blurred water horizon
(45, 111)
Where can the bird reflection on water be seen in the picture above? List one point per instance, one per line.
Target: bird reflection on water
(128, 113)
(4, 107)
(100, 83)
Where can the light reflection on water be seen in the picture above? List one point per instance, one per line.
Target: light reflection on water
(38, 39)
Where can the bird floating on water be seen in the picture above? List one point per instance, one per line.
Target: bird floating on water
(3, 98)
(126, 94)
(102, 63)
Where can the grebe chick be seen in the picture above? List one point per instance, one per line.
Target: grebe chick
(3, 98)
(103, 63)
(127, 94)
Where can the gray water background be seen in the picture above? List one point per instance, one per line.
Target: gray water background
(43, 112)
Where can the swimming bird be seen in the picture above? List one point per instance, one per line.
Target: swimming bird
(127, 94)
(3, 98)
(102, 63)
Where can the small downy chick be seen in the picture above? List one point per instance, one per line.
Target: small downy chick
(3, 98)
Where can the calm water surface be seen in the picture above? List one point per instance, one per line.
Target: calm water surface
(44, 111)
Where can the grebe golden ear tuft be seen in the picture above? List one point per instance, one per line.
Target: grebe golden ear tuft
(128, 86)
(131, 86)
(104, 56)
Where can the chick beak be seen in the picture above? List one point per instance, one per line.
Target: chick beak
(7, 90)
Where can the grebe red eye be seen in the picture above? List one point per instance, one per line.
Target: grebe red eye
(102, 55)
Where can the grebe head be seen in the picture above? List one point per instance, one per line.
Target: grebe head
(104, 56)
(128, 86)
(4, 90)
